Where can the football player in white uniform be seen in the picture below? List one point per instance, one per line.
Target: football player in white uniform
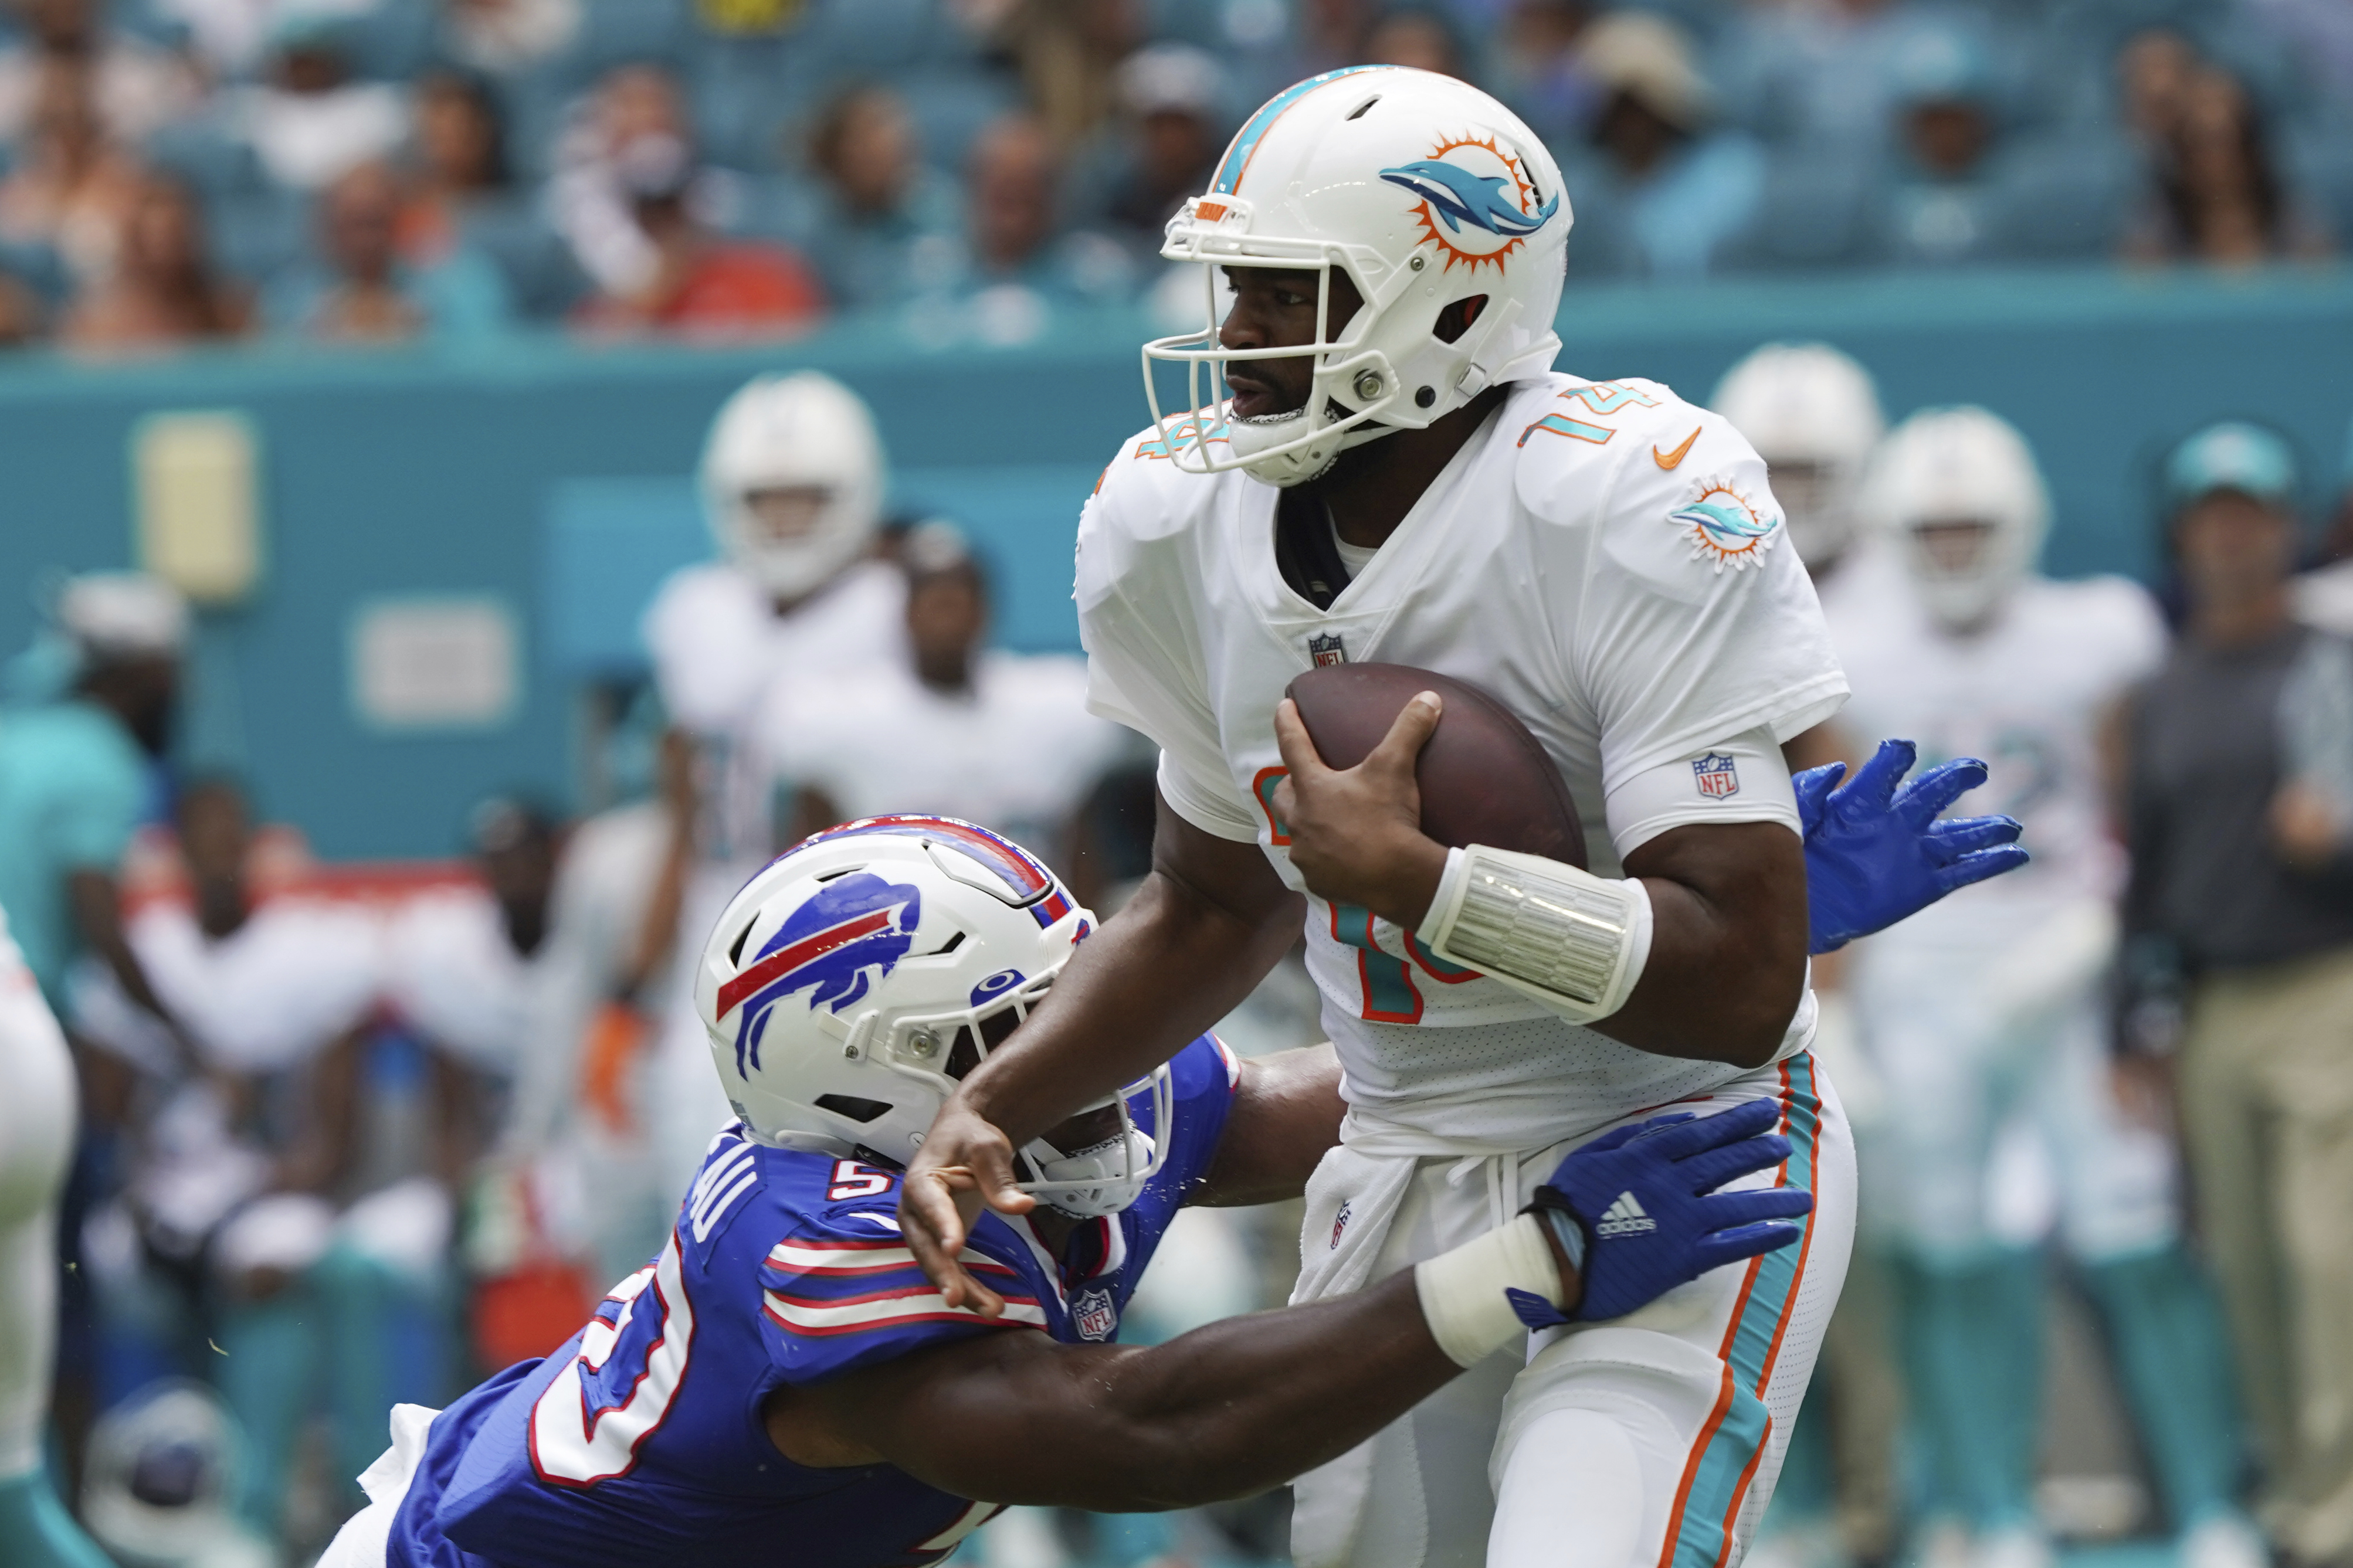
(793, 479)
(1400, 476)
(37, 1133)
(1992, 1009)
(1813, 415)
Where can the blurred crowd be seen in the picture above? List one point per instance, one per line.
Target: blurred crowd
(352, 1135)
(376, 171)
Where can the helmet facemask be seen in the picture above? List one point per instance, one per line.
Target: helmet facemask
(1101, 1178)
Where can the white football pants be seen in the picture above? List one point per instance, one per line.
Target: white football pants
(37, 1116)
(1650, 1441)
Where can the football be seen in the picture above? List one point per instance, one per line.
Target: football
(1485, 779)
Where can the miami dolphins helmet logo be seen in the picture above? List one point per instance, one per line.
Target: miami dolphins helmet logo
(1476, 202)
(1726, 526)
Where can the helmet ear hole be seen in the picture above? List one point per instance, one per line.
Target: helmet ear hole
(736, 952)
(1456, 318)
(855, 1107)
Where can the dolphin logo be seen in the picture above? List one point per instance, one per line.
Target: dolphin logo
(852, 926)
(1458, 196)
(1730, 527)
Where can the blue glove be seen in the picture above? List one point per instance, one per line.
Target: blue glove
(1644, 1198)
(1876, 854)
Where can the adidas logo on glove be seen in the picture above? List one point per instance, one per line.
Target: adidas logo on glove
(1624, 1217)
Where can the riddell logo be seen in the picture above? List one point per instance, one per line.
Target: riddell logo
(1624, 1217)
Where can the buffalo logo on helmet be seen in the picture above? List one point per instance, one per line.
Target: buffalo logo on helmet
(1726, 526)
(853, 931)
(1476, 202)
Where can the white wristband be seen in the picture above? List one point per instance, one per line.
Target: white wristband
(1462, 1295)
(1574, 942)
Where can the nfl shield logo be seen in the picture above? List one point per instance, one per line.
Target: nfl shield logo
(1328, 649)
(1718, 779)
(1339, 1224)
(1094, 1315)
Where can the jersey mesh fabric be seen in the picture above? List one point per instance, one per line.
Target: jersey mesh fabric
(640, 1441)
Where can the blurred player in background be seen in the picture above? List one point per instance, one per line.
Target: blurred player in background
(1813, 414)
(227, 1220)
(1991, 1009)
(36, 1140)
(950, 728)
(92, 707)
(1399, 476)
(793, 481)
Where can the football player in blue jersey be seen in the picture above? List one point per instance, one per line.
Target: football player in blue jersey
(782, 1380)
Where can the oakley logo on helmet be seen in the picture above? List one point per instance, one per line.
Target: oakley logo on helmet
(855, 929)
(1479, 191)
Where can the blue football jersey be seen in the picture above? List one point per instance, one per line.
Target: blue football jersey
(642, 1440)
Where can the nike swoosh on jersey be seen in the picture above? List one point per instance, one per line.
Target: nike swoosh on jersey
(1673, 459)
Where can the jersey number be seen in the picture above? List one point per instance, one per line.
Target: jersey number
(852, 1180)
(1391, 996)
(590, 1423)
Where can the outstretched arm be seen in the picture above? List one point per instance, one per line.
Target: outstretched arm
(1242, 1404)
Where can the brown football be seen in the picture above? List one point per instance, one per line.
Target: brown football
(1485, 779)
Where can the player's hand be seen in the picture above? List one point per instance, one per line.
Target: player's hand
(965, 1162)
(1645, 1195)
(1356, 833)
(1875, 853)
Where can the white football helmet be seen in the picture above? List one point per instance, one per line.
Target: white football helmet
(1813, 415)
(1424, 191)
(1960, 465)
(801, 431)
(852, 983)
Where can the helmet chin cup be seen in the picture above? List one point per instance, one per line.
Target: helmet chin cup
(1105, 1178)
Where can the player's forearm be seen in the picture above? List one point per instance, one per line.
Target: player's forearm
(1727, 961)
(1226, 1410)
(1163, 969)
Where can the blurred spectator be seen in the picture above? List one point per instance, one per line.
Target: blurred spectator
(359, 291)
(135, 86)
(506, 36)
(2153, 73)
(1942, 209)
(2216, 194)
(702, 284)
(1330, 34)
(1067, 52)
(163, 290)
(1680, 185)
(1537, 70)
(1170, 137)
(635, 124)
(2234, 761)
(308, 122)
(1004, 739)
(460, 160)
(1420, 38)
(1824, 75)
(74, 184)
(887, 220)
(1018, 264)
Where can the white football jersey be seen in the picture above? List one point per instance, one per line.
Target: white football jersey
(2027, 695)
(297, 974)
(719, 649)
(1603, 558)
(1016, 753)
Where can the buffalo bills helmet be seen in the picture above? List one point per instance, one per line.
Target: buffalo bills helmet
(1965, 466)
(811, 440)
(853, 982)
(1425, 193)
